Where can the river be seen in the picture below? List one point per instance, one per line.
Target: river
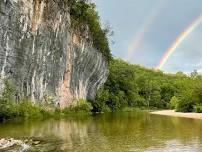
(112, 132)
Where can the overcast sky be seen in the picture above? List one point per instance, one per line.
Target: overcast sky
(146, 28)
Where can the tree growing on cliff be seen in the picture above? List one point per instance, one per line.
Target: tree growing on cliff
(83, 13)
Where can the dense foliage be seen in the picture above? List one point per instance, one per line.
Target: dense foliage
(83, 13)
(82, 107)
(135, 86)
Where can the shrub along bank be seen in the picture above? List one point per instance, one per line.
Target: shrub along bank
(10, 108)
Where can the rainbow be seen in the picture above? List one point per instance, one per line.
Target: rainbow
(178, 41)
(155, 12)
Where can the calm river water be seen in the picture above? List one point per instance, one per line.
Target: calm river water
(112, 132)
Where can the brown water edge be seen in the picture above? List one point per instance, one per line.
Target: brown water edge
(135, 131)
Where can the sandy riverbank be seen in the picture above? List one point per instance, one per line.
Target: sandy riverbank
(178, 114)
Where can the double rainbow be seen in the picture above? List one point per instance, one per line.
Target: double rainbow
(178, 41)
(153, 15)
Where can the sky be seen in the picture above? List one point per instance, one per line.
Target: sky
(145, 29)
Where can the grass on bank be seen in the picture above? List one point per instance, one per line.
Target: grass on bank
(10, 108)
(82, 107)
(27, 110)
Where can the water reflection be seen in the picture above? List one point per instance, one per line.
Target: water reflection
(132, 131)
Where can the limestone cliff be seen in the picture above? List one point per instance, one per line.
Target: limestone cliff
(42, 55)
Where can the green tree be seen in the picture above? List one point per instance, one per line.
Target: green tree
(84, 16)
(194, 74)
(136, 86)
(174, 102)
(100, 104)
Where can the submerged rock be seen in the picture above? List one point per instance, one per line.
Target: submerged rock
(13, 145)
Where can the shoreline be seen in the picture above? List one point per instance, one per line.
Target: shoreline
(178, 114)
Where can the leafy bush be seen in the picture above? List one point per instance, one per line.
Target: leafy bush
(173, 102)
(7, 110)
(100, 103)
(82, 106)
(48, 101)
(27, 109)
(141, 102)
(8, 90)
(197, 108)
(185, 105)
(7, 107)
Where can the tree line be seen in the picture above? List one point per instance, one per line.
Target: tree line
(131, 85)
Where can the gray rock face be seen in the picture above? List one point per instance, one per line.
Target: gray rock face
(42, 55)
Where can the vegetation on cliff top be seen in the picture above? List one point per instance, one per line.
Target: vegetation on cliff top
(83, 13)
(135, 86)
